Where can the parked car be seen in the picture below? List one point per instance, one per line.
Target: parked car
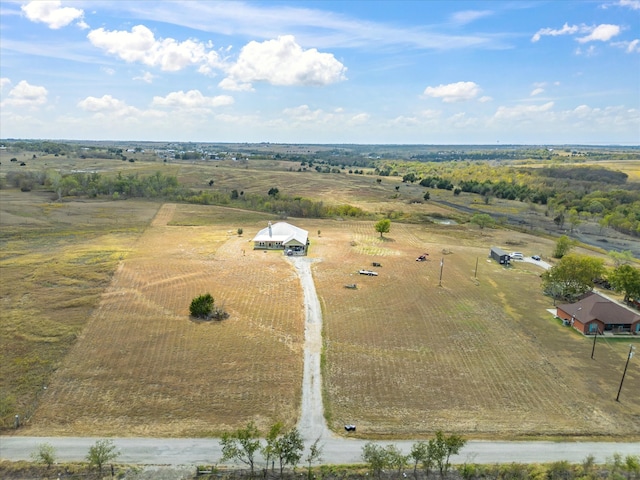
(350, 428)
(516, 256)
(536, 257)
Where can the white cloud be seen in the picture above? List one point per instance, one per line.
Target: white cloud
(602, 33)
(565, 30)
(632, 4)
(145, 77)
(192, 99)
(104, 103)
(485, 99)
(4, 81)
(26, 95)
(140, 45)
(359, 119)
(454, 92)
(537, 91)
(283, 62)
(52, 13)
(633, 46)
(230, 84)
(520, 111)
(589, 52)
(303, 113)
(108, 70)
(468, 16)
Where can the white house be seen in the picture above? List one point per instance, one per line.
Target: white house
(282, 236)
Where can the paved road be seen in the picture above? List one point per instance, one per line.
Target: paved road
(336, 450)
(194, 451)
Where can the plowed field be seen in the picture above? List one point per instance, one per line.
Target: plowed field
(408, 352)
(143, 367)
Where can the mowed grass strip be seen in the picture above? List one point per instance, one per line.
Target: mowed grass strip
(481, 356)
(143, 367)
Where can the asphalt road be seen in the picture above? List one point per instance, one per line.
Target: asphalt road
(336, 451)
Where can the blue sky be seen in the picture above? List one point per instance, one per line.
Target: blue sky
(417, 72)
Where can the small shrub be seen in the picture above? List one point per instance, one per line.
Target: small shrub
(45, 453)
(201, 306)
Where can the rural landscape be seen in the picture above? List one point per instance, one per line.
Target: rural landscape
(98, 340)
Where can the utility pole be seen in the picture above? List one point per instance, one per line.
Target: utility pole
(593, 349)
(631, 349)
(441, 266)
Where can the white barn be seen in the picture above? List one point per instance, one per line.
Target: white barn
(282, 236)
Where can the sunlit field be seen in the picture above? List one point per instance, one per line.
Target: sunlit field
(97, 338)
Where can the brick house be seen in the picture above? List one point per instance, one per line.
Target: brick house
(595, 313)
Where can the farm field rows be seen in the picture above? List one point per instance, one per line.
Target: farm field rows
(403, 355)
(141, 367)
(481, 356)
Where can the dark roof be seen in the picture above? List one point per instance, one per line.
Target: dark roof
(594, 306)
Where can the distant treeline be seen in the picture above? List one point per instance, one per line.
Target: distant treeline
(577, 191)
(159, 185)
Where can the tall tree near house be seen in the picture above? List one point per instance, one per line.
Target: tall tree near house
(572, 276)
(383, 226)
(626, 279)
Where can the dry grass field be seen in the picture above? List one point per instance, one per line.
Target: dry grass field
(482, 356)
(98, 293)
(142, 367)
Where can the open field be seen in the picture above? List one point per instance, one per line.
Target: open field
(98, 292)
(142, 367)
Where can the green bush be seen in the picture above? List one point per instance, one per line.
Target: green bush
(201, 306)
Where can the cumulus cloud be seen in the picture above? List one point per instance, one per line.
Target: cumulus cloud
(537, 91)
(602, 33)
(231, 84)
(26, 95)
(140, 45)
(192, 99)
(282, 62)
(565, 30)
(359, 119)
(4, 81)
(485, 99)
(52, 13)
(104, 103)
(454, 92)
